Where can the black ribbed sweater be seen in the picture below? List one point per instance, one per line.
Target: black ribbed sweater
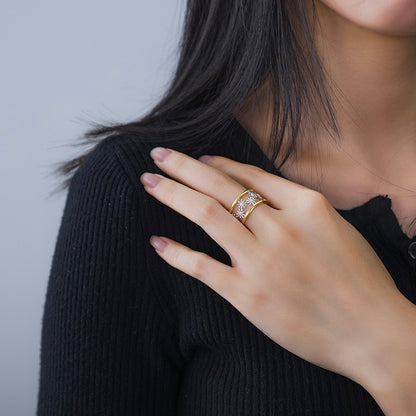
(124, 333)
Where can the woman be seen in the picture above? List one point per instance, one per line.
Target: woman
(302, 302)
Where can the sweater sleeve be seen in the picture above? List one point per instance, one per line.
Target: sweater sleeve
(108, 347)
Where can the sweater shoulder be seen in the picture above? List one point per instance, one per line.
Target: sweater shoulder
(108, 155)
(123, 154)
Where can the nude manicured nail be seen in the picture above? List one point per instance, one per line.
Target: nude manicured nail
(160, 153)
(157, 243)
(150, 179)
(205, 159)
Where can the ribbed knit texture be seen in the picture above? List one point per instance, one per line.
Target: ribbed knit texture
(124, 333)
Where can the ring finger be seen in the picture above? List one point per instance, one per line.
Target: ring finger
(205, 211)
(212, 182)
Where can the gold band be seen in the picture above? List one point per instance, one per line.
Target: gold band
(252, 201)
(252, 208)
(239, 196)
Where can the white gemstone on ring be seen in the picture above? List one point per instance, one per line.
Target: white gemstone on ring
(242, 203)
(253, 197)
(239, 213)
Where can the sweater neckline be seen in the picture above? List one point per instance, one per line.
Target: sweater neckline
(375, 211)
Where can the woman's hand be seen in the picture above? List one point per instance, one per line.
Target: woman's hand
(300, 273)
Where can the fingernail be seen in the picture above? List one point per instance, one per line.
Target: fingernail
(150, 179)
(205, 159)
(160, 153)
(157, 243)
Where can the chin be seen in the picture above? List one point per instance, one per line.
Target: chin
(389, 17)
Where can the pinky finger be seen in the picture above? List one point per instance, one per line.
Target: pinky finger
(218, 276)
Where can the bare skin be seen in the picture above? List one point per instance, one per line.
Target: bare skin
(374, 72)
(338, 308)
(351, 319)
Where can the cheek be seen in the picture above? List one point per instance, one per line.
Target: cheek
(393, 17)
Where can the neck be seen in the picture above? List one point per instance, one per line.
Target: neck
(374, 82)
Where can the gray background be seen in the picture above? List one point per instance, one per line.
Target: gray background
(62, 64)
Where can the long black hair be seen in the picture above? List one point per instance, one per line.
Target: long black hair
(228, 51)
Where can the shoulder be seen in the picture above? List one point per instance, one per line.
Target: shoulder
(110, 176)
(109, 155)
(120, 157)
(111, 169)
(131, 151)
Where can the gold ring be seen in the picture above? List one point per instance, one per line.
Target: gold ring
(252, 200)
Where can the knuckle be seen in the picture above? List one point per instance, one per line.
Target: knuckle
(291, 234)
(218, 181)
(254, 172)
(209, 210)
(198, 264)
(314, 202)
(257, 297)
